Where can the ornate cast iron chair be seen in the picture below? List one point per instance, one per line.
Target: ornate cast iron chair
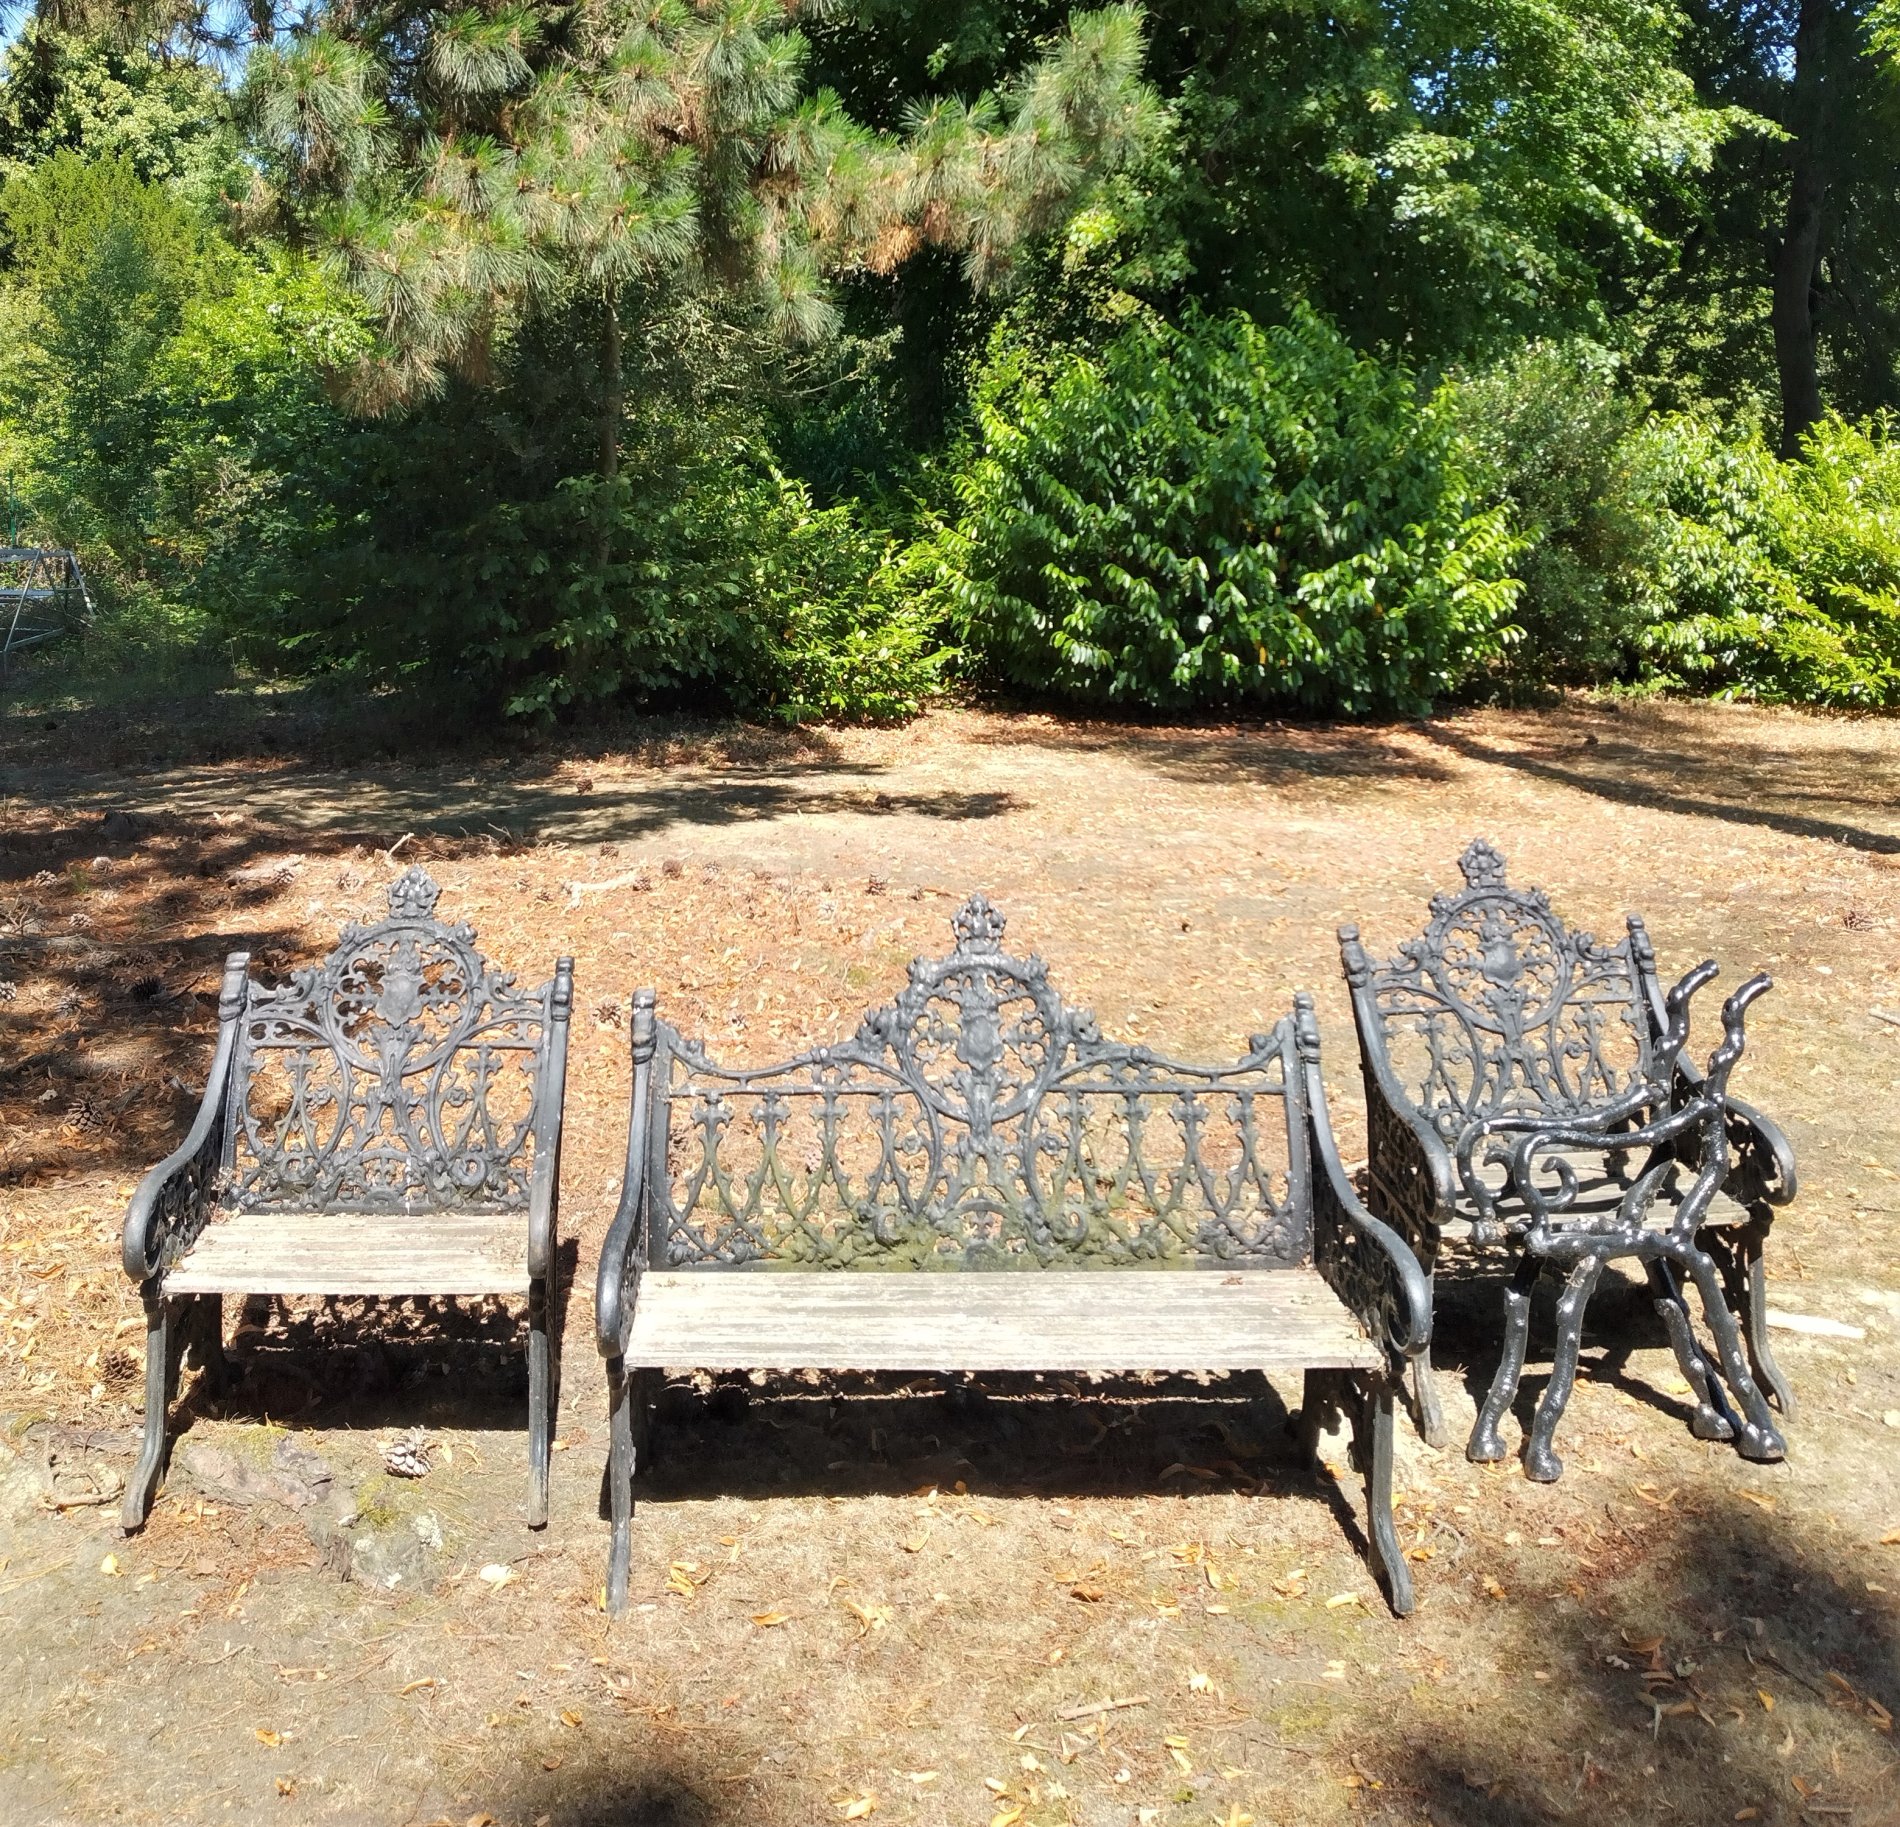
(1034, 1179)
(1561, 1231)
(1499, 1018)
(386, 1123)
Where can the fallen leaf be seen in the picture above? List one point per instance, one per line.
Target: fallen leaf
(1767, 1699)
(426, 1681)
(1198, 1683)
(1334, 1671)
(552, 1763)
(110, 1566)
(857, 1809)
(1089, 1595)
(286, 1785)
(1342, 1598)
(766, 1619)
(571, 1719)
(265, 1736)
(922, 1776)
(1007, 1817)
(498, 1575)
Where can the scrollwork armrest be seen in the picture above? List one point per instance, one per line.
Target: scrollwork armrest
(174, 1199)
(1363, 1260)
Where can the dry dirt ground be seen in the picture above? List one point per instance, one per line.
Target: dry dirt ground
(897, 1601)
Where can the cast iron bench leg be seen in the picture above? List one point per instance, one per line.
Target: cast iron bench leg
(161, 1384)
(1430, 1411)
(1373, 1410)
(628, 1396)
(541, 1397)
(207, 1344)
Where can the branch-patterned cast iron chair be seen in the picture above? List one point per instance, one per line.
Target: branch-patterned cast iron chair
(1692, 1138)
(386, 1123)
(1498, 1016)
(1037, 1181)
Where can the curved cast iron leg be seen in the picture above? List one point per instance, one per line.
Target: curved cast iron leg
(1373, 1410)
(540, 1405)
(1757, 1437)
(1712, 1419)
(161, 1378)
(628, 1393)
(1540, 1455)
(1487, 1444)
(1752, 1272)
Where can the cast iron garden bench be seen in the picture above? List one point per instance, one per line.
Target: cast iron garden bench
(1499, 1042)
(979, 1181)
(386, 1123)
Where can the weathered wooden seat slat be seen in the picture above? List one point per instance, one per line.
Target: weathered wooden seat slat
(385, 1123)
(446, 1253)
(978, 1180)
(1497, 1024)
(1052, 1320)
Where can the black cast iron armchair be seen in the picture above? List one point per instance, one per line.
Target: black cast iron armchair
(1499, 1019)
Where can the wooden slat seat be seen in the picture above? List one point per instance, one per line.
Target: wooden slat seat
(1042, 1319)
(357, 1253)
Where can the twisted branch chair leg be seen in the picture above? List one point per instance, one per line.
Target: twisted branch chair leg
(1758, 1438)
(1540, 1455)
(1487, 1444)
(1713, 1419)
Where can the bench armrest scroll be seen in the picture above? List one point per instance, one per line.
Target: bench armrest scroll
(170, 1206)
(623, 1256)
(1365, 1262)
(544, 1194)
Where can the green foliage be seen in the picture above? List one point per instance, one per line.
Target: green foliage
(1771, 579)
(1550, 431)
(1223, 514)
(164, 117)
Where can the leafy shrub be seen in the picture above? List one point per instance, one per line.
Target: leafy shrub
(1222, 513)
(1778, 580)
(1551, 435)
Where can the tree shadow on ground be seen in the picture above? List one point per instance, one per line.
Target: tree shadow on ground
(1265, 754)
(1707, 772)
(1746, 1673)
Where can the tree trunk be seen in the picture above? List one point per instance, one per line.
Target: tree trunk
(612, 398)
(1810, 119)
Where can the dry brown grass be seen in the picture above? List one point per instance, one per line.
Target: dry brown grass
(1106, 1542)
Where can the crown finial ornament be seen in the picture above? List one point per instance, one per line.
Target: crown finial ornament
(413, 895)
(1481, 865)
(977, 925)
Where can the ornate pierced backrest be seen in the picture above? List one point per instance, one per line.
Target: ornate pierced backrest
(1499, 1009)
(402, 1074)
(977, 1121)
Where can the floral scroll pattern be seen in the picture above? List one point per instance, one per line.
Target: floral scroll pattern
(398, 1075)
(979, 1121)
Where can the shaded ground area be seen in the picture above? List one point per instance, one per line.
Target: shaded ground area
(893, 1598)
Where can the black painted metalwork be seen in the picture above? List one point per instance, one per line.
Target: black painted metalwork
(1498, 1022)
(401, 1076)
(979, 1123)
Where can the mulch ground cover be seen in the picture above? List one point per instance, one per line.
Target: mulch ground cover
(1024, 1601)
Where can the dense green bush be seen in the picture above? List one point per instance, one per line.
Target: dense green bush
(1551, 432)
(1777, 580)
(1220, 514)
